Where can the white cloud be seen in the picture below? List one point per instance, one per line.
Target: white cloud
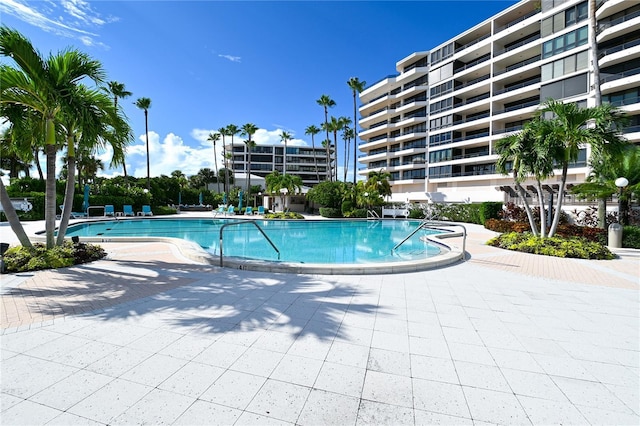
(272, 137)
(75, 20)
(231, 58)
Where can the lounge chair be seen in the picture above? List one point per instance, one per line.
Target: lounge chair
(260, 210)
(248, 211)
(231, 210)
(74, 215)
(109, 210)
(127, 210)
(220, 210)
(146, 210)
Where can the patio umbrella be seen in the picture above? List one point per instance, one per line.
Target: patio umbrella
(240, 195)
(200, 198)
(85, 202)
(180, 198)
(224, 198)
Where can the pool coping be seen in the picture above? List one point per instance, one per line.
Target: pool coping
(449, 254)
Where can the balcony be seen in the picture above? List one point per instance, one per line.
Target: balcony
(471, 82)
(516, 21)
(518, 65)
(471, 43)
(518, 106)
(617, 76)
(608, 24)
(618, 48)
(472, 118)
(471, 64)
(517, 45)
(470, 137)
(517, 86)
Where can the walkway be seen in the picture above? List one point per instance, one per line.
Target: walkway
(148, 336)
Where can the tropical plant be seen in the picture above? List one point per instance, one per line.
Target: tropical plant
(313, 130)
(328, 194)
(284, 137)
(601, 182)
(215, 137)
(347, 134)
(276, 182)
(572, 127)
(223, 132)
(119, 91)
(248, 130)
(44, 86)
(144, 104)
(356, 86)
(232, 130)
(326, 102)
(334, 126)
(524, 156)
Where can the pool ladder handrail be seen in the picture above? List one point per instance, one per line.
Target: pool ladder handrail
(426, 223)
(240, 222)
(372, 214)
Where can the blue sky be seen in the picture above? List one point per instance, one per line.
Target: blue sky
(207, 64)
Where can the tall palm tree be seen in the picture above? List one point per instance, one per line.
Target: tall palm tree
(232, 130)
(223, 132)
(313, 130)
(248, 130)
(572, 127)
(334, 126)
(118, 91)
(215, 137)
(326, 102)
(89, 122)
(144, 104)
(356, 86)
(43, 85)
(284, 137)
(347, 134)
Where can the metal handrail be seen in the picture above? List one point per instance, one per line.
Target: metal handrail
(240, 223)
(426, 223)
(372, 214)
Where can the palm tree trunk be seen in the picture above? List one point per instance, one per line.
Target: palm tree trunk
(593, 47)
(602, 213)
(543, 217)
(124, 169)
(50, 189)
(248, 175)
(37, 161)
(315, 158)
(527, 208)
(556, 216)
(68, 195)
(12, 217)
(215, 162)
(328, 147)
(355, 139)
(284, 159)
(146, 130)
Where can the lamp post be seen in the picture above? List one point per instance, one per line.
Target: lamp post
(621, 183)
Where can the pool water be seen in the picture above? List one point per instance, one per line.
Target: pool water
(308, 241)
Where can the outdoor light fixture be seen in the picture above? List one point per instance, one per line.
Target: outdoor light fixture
(621, 183)
(75, 239)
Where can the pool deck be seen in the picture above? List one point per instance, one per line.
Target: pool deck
(150, 336)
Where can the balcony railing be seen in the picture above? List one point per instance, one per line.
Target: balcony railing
(515, 21)
(631, 129)
(518, 65)
(471, 100)
(517, 86)
(518, 106)
(604, 25)
(517, 45)
(470, 137)
(618, 48)
(508, 129)
(627, 101)
(471, 82)
(620, 75)
(474, 118)
(471, 64)
(471, 43)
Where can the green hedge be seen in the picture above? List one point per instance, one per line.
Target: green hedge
(573, 247)
(330, 212)
(631, 237)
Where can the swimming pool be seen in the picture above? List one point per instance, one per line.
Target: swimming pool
(300, 242)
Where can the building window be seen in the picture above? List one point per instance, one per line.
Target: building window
(441, 89)
(568, 87)
(568, 65)
(565, 42)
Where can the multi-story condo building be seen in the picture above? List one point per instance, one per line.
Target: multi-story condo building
(433, 126)
(304, 161)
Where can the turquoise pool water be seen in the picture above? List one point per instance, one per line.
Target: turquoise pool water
(308, 241)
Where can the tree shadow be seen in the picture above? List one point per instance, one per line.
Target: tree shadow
(199, 297)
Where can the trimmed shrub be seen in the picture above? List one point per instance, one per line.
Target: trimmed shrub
(285, 215)
(490, 210)
(416, 214)
(631, 237)
(21, 259)
(506, 226)
(573, 247)
(357, 213)
(346, 207)
(330, 212)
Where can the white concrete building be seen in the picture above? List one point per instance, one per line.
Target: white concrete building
(433, 125)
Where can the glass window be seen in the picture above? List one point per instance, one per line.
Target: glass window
(570, 16)
(571, 40)
(582, 60)
(558, 45)
(569, 64)
(547, 49)
(583, 11)
(547, 72)
(582, 35)
(558, 68)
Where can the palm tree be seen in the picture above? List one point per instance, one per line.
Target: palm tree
(248, 131)
(215, 137)
(90, 121)
(275, 182)
(334, 126)
(118, 91)
(223, 132)
(326, 102)
(326, 144)
(356, 86)
(43, 85)
(344, 126)
(284, 137)
(313, 130)
(572, 127)
(522, 155)
(144, 104)
(232, 130)
(347, 134)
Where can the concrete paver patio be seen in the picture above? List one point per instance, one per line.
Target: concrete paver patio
(149, 337)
